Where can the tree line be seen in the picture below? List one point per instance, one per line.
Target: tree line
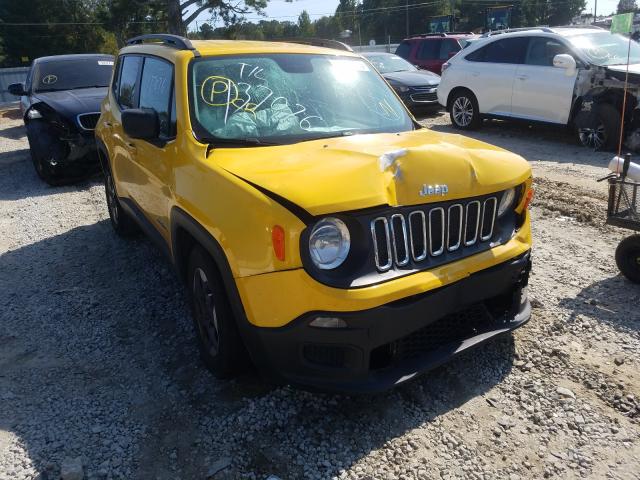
(34, 28)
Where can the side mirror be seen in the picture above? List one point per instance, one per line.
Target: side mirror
(567, 62)
(141, 123)
(16, 89)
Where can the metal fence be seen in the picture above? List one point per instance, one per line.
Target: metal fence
(7, 77)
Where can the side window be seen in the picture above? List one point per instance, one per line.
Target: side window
(404, 50)
(448, 46)
(128, 86)
(508, 50)
(116, 77)
(542, 50)
(156, 87)
(29, 79)
(429, 50)
(477, 56)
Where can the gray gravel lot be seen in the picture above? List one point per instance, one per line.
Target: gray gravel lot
(99, 374)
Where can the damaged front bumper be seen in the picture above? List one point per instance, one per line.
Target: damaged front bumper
(388, 345)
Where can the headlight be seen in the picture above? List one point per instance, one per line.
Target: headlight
(329, 243)
(33, 114)
(400, 88)
(507, 201)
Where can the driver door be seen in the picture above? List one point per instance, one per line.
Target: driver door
(541, 91)
(151, 159)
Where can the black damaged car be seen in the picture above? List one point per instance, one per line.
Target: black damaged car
(60, 103)
(417, 88)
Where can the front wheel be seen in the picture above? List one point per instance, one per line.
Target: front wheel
(221, 347)
(45, 152)
(465, 114)
(599, 128)
(628, 258)
(121, 222)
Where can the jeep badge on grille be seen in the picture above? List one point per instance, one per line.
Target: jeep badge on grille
(427, 190)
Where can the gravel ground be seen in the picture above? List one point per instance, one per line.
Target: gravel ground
(99, 374)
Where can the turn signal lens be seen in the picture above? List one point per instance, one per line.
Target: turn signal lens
(529, 198)
(277, 238)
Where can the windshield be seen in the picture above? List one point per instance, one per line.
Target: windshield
(284, 98)
(57, 75)
(605, 48)
(390, 63)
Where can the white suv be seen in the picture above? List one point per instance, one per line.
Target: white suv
(565, 75)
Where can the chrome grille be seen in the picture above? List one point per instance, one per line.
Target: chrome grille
(424, 97)
(88, 121)
(431, 232)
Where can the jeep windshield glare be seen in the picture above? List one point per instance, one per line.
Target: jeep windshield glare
(286, 98)
(58, 75)
(603, 48)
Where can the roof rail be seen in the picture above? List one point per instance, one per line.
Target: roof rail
(175, 41)
(439, 34)
(509, 30)
(590, 27)
(320, 42)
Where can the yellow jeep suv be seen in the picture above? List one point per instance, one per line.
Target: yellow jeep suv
(320, 232)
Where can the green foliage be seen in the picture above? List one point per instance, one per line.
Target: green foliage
(626, 6)
(25, 35)
(104, 25)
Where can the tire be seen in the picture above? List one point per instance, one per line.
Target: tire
(121, 222)
(464, 111)
(628, 258)
(599, 128)
(219, 342)
(43, 148)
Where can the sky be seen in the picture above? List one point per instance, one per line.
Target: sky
(281, 10)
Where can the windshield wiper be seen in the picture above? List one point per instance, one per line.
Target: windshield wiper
(236, 142)
(87, 86)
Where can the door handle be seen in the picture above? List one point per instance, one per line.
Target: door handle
(132, 147)
(475, 74)
(523, 77)
(108, 124)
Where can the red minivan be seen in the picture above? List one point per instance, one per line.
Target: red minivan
(430, 51)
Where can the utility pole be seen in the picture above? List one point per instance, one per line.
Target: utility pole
(453, 15)
(406, 11)
(595, 10)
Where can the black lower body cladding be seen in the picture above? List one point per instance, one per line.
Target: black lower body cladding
(388, 345)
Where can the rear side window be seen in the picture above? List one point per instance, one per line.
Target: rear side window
(507, 50)
(429, 50)
(404, 50)
(116, 77)
(128, 87)
(156, 87)
(542, 50)
(448, 48)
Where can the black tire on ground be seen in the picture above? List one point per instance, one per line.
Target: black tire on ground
(464, 111)
(122, 223)
(628, 258)
(43, 148)
(219, 341)
(599, 128)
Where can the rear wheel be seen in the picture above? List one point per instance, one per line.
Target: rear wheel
(599, 128)
(221, 347)
(465, 113)
(628, 258)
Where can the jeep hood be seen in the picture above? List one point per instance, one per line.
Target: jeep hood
(347, 173)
